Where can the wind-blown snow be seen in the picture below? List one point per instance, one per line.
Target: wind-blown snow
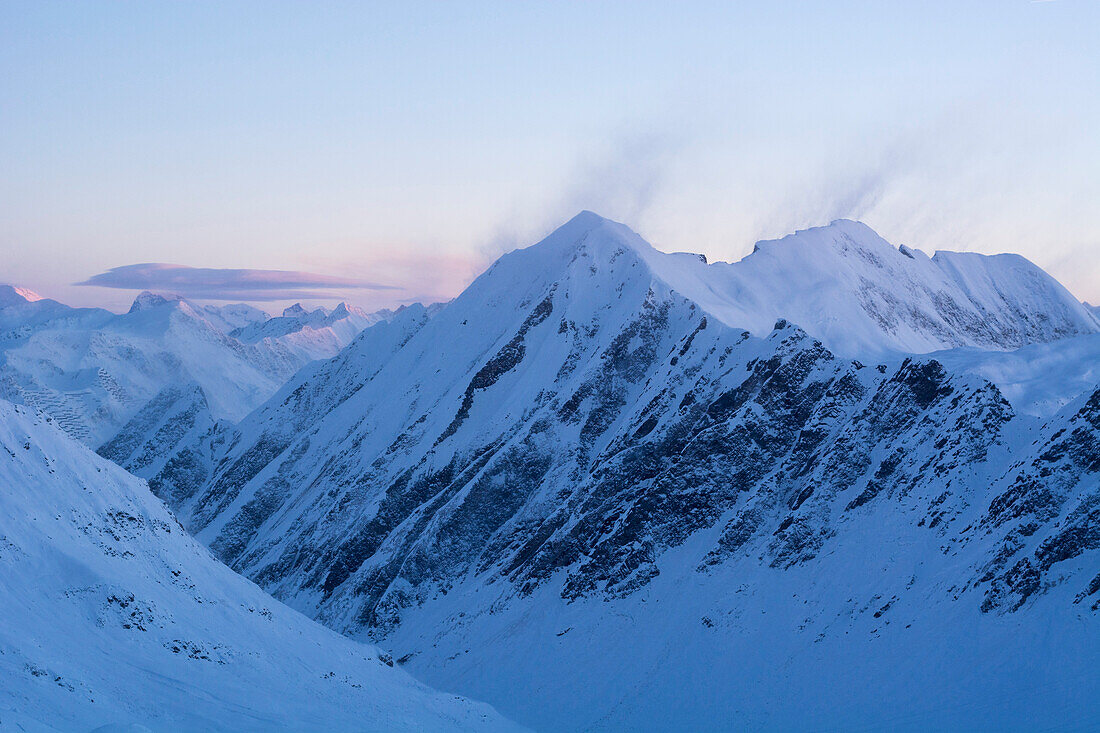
(112, 615)
(1038, 379)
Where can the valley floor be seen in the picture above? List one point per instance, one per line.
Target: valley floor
(755, 650)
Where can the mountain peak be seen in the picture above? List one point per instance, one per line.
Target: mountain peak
(588, 218)
(343, 310)
(589, 228)
(294, 311)
(842, 283)
(13, 294)
(839, 233)
(147, 300)
(583, 223)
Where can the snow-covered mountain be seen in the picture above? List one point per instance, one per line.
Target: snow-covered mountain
(860, 295)
(93, 370)
(15, 295)
(113, 615)
(315, 334)
(601, 490)
(227, 318)
(1038, 379)
(175, 439)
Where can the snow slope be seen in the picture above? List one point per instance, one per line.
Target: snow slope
(861, 296)
(586, 491)
(175, 439)
(113, 615)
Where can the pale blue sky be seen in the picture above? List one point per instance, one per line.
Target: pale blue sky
(409, 143)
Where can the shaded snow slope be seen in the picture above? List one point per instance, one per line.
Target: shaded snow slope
(864, 638)
(1038, 379)
(570, 476)
(113, 615)
(172, 436)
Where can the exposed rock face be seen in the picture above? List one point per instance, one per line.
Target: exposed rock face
(1049, 514)
(172, 440)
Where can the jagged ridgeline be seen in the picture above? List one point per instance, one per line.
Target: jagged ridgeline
(738, 457)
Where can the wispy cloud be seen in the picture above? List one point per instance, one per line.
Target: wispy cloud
(624, 178)
(620, 177)
(207, 283)
(425, 274)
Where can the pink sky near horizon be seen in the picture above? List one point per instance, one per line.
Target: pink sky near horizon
(412, 144)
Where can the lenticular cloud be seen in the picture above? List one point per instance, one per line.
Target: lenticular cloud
(225, 283)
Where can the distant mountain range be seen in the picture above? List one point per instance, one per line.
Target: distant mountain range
(93, 369)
